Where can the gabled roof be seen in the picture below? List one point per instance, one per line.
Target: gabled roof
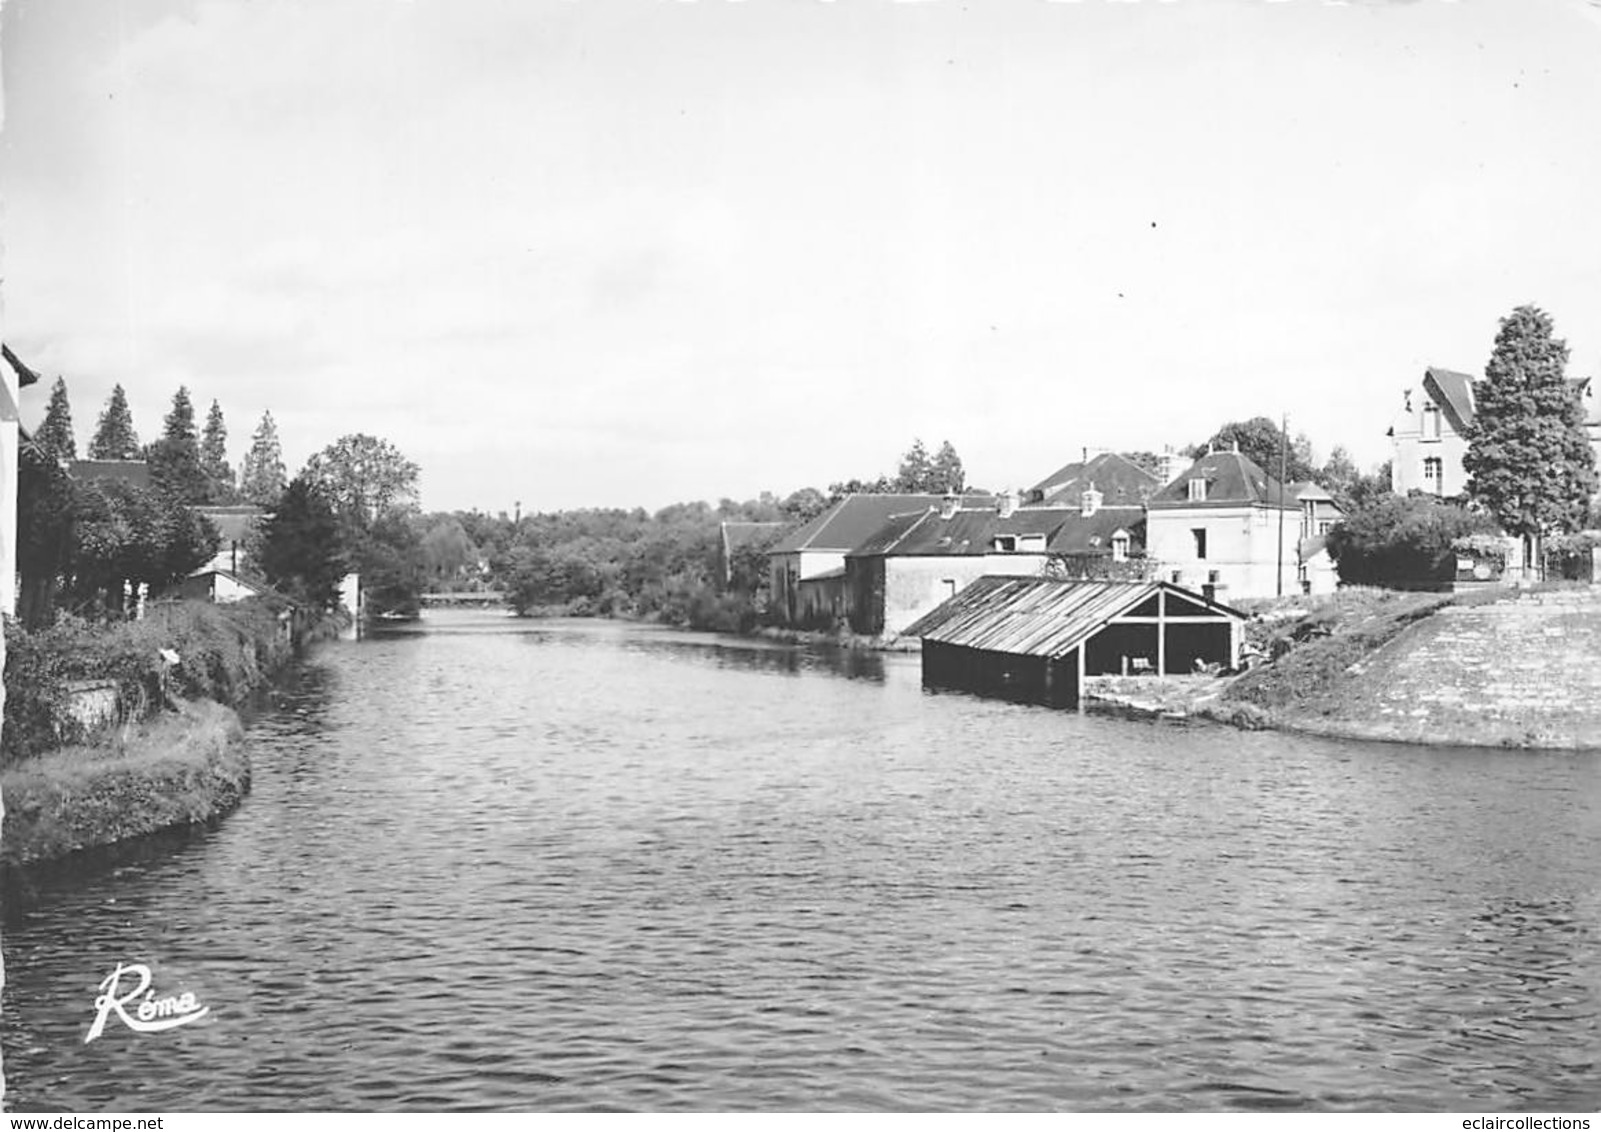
(1119, 480)
(739, 534)
(850, 522)
(1453, 392)
(233, 522)
(1231, 480)
(1092, 534)
(1041, 616)
(969, 532)
(1067, 473)
(135, 472)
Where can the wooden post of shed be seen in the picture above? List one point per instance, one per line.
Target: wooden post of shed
(1161, 632)
(1079, 677)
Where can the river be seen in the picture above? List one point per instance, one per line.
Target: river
(492, 864)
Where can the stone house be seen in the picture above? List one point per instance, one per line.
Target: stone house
(1429, 436)
(1225, 527)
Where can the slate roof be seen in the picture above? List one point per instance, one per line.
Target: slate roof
(233, 523)
(969, 532)
(135, 472)
(1039, 616)
(739, 534)
(1092, 535)
(850, 522)
(1119, 480)
(1230, 479)
(1453, 392)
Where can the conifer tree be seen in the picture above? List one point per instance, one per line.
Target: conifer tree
(1529, 460)
(947, 473)
(262, 476)
(114, 437)
(175, 458)
(214, 457)
(55, 433)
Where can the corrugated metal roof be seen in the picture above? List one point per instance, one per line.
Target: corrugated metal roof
(1038, 616)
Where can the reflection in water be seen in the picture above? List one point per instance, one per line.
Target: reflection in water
(555, 865)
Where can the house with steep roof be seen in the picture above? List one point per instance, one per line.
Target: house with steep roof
(1225, 527)
(1120, 481)
(1429, 435)
(806, 568)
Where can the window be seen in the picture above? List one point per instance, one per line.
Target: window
(1006, 542)
(1200, 541)
(1120, 546)
(1197, 489)
(1431, 422)
(1324, 526)
(1432, 469)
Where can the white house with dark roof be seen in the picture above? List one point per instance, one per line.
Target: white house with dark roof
(1225, 527)
(1429, 435)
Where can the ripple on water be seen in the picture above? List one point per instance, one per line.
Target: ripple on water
(491, 865)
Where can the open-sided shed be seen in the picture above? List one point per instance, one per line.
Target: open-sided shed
(1037, 638)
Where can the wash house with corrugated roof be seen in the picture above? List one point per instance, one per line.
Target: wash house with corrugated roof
(1036, 639)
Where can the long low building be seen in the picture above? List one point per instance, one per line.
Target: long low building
(1036, 639)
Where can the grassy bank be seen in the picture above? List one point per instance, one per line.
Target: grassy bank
(115, 731)
(177, 768)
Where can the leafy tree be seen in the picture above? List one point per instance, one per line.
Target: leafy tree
(799, 506)
(1529, 461)
(126, 537)
(446, 549)
(1262, 441)
(214, 458)
(915, 470)
(947, 473)
(46, 504)
(175, 458)
(364, 478)
(54, 435)
(301, 549)
(388, 555)
(1402, 540)
(262, 476)
(114, 437)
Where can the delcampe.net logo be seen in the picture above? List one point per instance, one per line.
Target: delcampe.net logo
(149, 1013)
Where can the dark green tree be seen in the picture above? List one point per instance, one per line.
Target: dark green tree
(364, 478)
(915, 470)
(114, 437)
(1262, 441)
(301, 549)
(126, 537)
(1402, 541)
(946, 472)
(54, 434)
(46, 504)
(1529, 460)
(262, 476)
(214, 458)
(175, 458)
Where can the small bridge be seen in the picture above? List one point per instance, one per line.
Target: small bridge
(476, 599)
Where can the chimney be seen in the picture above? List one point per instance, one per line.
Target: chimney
(1091, 502)
(1008, 502)
(947, 506)
(1171, 467)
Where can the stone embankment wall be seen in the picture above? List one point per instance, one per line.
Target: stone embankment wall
(1522, 673)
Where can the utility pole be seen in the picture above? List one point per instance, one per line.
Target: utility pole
(1284, 464)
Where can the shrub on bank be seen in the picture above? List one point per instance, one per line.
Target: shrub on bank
(225, 653)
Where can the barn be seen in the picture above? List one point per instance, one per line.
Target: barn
(1035, 639)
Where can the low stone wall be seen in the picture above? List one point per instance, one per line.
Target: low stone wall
(178, 768)
(1517, 673)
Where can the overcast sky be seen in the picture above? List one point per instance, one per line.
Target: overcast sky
(630, 253)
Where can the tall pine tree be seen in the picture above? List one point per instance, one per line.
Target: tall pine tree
(175, 458)
(114, 437)
(55, 433)
(214, 458)
(1529, 460)
(262, 476)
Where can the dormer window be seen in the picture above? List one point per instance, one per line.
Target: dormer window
(1197, 489)
(1031, 542)
(1006, 543)
(1120, 546)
